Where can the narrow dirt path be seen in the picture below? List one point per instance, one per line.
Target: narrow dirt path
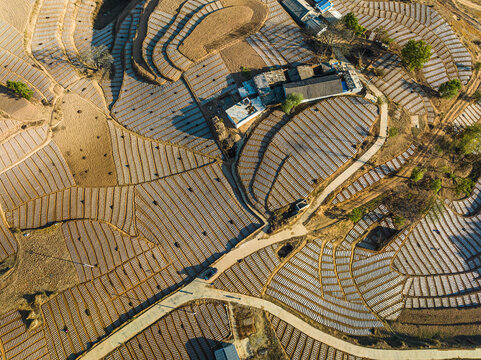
(469, 4)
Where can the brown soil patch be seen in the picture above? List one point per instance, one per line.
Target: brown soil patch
(17, 107)
(453, 327)
(44, 264)
(241, 54)
(223, 27)
(84, 140)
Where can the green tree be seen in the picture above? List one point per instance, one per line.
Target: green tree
(436, 185)
(415, 54)
(450, 89)
(356, 214)
(470, 142)
(351, 22)
(418, 174)
(20, 88)
(291, 101)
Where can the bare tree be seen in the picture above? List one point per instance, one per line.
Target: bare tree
(97, 60)
(336, 35)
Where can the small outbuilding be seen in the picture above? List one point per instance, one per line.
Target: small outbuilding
(323, 5)
(315, 26)
(244, 111)
(228, 352)
(300, 10)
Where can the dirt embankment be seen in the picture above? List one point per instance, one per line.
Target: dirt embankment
(84, 140)
(236, 21)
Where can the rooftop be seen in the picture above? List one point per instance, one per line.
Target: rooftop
(297, 8)
(316, 88)
(245, 110)
(229, 352)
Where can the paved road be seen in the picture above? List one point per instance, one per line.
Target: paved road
(357, 164)
(200, 290)
(260, 241)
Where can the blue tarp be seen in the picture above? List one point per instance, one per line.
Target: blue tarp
(323, 5)
(344, 86)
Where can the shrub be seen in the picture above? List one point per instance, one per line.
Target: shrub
(477, 66)
(418, 174)
(393, 132)
(449, 89)
(356, 214)
(20, 88)
(415, 54)
(436, 185)
(399, 221)
(246, 72)
(464, 186)
(388, 41)
(291, 101)
(470, 142)
(351, 22)
(379, 72)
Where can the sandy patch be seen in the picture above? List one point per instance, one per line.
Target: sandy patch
(223, 27)
(84, 140)
(241, 54)
(17, 107)
(16, 13)
(44, 264)
(169, 6)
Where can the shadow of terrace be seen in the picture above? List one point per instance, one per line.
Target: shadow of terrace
(468, 245)
(201, 348)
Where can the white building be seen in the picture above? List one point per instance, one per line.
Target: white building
(244, 111)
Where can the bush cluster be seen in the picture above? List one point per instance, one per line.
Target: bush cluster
(352, 23)
(291, 101)
(20, 88)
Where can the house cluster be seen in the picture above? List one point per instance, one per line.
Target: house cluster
(272, 87)
(311, 17)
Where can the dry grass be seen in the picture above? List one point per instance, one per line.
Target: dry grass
(84, 140)
(241, 54)
(221, 28)
(45, 269)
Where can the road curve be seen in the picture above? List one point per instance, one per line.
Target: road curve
(200, 290)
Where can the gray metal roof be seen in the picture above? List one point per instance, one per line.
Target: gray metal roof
(229, 352)
(297, 8)
(315, 88)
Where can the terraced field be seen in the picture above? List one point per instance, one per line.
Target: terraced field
(173, 203)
